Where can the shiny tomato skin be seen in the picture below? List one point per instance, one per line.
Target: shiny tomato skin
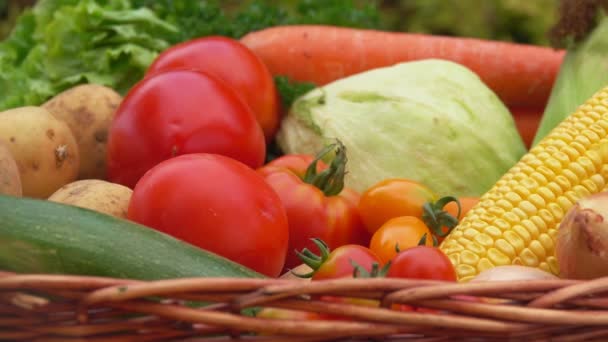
(422, 262)
(218, 204)
(338, 264)
(233, 62)
(466, 204)
(403, 231)
(297, 163)
(311, 214)
(180, 112)
(393, 197)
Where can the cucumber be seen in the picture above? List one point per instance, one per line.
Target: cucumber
(39, 236)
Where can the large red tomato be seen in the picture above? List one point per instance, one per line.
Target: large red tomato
(218, 204)
(317, 204)
(234, 63)
(180, 112)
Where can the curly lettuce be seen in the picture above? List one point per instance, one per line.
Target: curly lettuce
(59, 44)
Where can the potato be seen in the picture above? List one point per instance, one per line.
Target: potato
(88, 109)
(95, 194)
(43, 147)
(300, 269)
(10, 182)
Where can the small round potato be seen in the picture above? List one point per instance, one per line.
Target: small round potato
(88, 109)
(95, 194)
(43, 147)
(10, 182)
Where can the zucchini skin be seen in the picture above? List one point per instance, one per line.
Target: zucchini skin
(39, 236)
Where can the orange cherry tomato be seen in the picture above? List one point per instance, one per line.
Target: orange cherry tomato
(466, 204)
(401, 232)
(392, 198)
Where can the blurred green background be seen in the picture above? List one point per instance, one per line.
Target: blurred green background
(523, 21)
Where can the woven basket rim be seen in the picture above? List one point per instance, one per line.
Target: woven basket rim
(561, 309)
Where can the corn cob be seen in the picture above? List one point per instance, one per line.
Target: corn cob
(516, 221)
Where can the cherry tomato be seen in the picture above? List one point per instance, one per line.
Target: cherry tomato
(422, 262)
(180, 112)
(466, 204)
(343, 262)
(218, 204)
(392, 198)
(316, 207)
(234, 63)
(400, 232)
(340, 262)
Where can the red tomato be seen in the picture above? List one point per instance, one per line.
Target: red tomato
(392, 198)
(233, 62)
(312, 213)
(402, 232)
(180, 112)
(422, 262)
(339, 262)
(218, 204)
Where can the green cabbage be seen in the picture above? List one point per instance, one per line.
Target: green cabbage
(433, 121)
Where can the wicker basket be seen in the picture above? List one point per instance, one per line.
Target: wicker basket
(75, 308)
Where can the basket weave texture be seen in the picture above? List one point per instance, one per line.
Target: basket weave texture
(42, 307)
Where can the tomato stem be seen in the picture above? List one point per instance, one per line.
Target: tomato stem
(330, 180)
(311, 259)
(435, 217)
(375, 272)
(422, 241)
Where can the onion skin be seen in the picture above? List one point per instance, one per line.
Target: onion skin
(513, 272)
(582, 239)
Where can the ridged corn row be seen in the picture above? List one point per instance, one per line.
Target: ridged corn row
(517, 220)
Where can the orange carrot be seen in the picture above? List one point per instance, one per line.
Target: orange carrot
(527, 121)
(521, 75)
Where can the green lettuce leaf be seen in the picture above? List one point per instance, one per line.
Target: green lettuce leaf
(58, 44)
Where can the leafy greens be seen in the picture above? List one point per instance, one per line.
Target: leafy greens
(60, 43)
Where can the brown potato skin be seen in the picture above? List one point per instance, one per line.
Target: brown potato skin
(95, 194)
(43, 147)
(88, 109)
(10, 182)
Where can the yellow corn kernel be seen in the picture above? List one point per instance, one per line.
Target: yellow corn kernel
(516, 221)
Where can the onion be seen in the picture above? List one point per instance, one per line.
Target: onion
(582, 239)
(513, 272)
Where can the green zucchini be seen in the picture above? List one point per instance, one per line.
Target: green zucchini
(39, 236)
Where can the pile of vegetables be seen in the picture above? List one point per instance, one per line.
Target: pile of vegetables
(61, 43)
(138, 152)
